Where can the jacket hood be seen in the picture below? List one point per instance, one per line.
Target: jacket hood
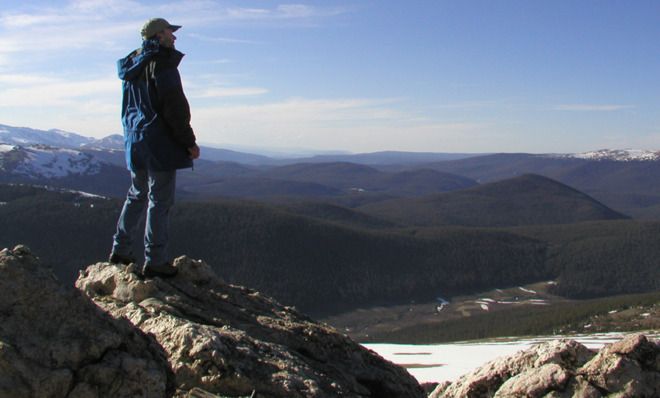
(131, 66)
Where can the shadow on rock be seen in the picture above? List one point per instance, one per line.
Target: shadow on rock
(54, 342)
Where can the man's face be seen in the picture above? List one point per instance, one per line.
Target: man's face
(166, 38)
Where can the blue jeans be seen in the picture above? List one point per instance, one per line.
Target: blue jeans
(156, 188)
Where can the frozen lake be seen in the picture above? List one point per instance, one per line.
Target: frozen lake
(447, 362)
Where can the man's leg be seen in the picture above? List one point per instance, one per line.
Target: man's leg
(130, 216)
(161, 198)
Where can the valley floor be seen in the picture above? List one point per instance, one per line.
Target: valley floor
(514, 311)
(363, 324)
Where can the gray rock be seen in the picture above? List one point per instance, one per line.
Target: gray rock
(566, 369)
(230, 340)
(56, 343)
(627, 367)
(488, 379)
(535, 382)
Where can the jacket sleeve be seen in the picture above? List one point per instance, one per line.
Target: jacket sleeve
(174, 107)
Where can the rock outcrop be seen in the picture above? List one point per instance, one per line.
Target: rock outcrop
(56, 343)
(565, 369)
(230, 340)
(190, 336)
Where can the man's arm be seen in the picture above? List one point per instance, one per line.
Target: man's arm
(175, 109)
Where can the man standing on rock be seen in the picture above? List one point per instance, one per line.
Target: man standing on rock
(158, 141)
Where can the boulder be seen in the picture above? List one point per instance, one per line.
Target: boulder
(231, 340)
(55, 342)
(565, 369)
(487, 380)
(628, 367)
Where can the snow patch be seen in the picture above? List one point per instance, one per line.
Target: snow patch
(6, 148)
(619, 155)
(62, 133)
(526, 290)
(49, 162)
(29, 136)
(447, 362)
(89, 195)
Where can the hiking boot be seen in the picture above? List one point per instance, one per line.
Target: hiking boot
(119, 259)
(165, 270)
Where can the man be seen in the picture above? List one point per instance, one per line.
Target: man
(158, 141)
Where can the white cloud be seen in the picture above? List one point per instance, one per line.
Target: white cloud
(107, 7)
(18, 79)
(88, 106)
(107, 25)
(282, 12)
(296, 10)
(21, 21)
(45, 91)
(248, 13)
(306, 11)
(220, 39)
(592, 107)
(45, 40)
(217, 92)
(347, 124)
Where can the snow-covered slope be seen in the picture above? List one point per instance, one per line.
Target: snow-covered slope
(41, 161)
(114, 141)
(620, 155)
(28, 136)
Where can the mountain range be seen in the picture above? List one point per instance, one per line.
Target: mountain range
(627, 184)
(623, 180)
(26, 136)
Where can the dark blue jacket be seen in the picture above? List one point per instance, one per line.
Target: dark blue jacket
(155, 112)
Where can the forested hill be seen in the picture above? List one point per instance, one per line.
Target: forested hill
(324, 267)
(628, 186)
(526, 200)
(317, 266)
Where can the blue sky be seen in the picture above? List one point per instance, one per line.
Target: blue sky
(419, 75)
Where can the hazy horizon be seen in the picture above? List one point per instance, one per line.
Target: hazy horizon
(301, 152)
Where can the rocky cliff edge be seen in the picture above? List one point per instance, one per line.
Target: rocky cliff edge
(189, 336)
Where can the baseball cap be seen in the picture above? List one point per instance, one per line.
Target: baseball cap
(155, 25)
